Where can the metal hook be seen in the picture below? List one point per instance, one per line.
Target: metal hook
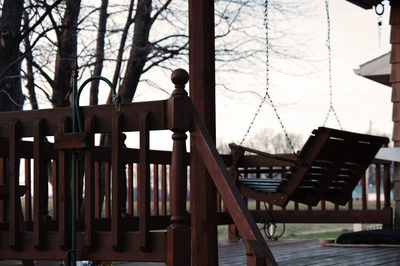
(116, 97)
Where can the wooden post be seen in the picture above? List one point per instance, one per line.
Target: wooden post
(202, 91)
(395, 81)
(179, 121)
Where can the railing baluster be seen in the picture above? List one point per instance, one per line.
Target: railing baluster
(219, 202)
(117, 168)
(54, 185)
(350, 204)
(144, 182)
(3, 203)
(163, 189)
(246, 200)
(28, 194)
(64, 172)
(258, 175)
(97, 207)
(386, 193)
(378, 186)
(137, 189)
(89, 184)
(77, 188)
(130, 189)
(107, 189)
(155, 190)
(386, 184)
(364, 192)
(13, 173)
(39, 183)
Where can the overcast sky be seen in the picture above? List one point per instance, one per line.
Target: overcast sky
(303, 100)
(302, 96)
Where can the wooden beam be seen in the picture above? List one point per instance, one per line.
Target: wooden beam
(395, 81)
(106, 112)
(102, 240)
(202, 91)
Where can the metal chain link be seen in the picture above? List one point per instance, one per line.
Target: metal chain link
(267, 95)
(379, 14)
(328, 44)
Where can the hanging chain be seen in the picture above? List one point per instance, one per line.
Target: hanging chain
(267, 95)
(379, 13)
(328, 44)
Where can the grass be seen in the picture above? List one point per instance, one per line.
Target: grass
(304, 230)
(321, 235)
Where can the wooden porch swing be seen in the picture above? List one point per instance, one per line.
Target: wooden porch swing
(328, 167)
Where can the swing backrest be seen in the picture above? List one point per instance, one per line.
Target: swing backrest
(333, 163)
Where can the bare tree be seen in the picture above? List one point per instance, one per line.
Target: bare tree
(128, 40)
(271, 141)
(11, 97)
(99, 56)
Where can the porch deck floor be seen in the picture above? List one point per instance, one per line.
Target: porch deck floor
(289, 252)
(305, 252)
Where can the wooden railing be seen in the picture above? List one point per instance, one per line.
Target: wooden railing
(44, 225)
(114, 221)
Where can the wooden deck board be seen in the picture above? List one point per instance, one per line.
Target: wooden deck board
(289, 252)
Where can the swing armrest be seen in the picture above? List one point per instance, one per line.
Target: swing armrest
(266, 154)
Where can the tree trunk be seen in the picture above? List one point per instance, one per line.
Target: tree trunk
(30, 84)
(128, 23)
(11, 97)
(139, 51)
(98, 67)
(66, 55)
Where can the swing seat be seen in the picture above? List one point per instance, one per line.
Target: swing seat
(328, 167)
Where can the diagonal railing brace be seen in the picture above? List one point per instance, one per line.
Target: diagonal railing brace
(258, 252)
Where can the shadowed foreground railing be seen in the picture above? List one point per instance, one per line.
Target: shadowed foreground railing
(120, 215)
(136, 212)
(42, 231)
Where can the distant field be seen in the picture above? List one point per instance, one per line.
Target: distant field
(305, 230)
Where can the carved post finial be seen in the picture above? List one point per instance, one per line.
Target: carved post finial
(179, 77)
(179, 121)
